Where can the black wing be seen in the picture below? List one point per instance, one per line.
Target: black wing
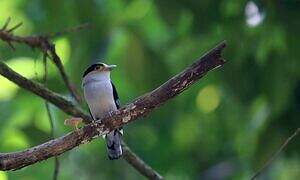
(91, 114)
(117, 102)
(116, 97)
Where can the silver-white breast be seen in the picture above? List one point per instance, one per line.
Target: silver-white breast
(98, 93)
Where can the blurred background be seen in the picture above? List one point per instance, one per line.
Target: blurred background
(224, 127)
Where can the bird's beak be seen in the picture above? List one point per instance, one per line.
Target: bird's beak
(111, 67)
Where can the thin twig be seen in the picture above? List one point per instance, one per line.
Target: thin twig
(274, 156)
(6, 24)
(70, 30)
(45, 69)
(56, 160)
(139, 164)
(57, 61)
(11, 45)
(50, 117)
(15, 27)
(56, 168)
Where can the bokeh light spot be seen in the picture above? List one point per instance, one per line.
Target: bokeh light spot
(253, 16)
(208, 99)
(63, 49)
(24, 66)
(3, 175)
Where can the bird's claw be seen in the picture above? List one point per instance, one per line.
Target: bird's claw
(110, 113)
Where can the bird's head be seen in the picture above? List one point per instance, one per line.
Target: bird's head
(98, 69)
(97, 72)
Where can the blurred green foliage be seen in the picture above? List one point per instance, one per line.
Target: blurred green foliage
(226, 126)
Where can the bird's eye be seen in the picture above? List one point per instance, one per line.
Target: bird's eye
(97, 67)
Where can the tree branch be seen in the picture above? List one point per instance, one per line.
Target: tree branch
(43, 43)
(56, 160)
(38, 89)
(69, 30)
(140, 107)
(139, 164)
(50, 118)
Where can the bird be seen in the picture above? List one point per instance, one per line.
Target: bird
(102, 98)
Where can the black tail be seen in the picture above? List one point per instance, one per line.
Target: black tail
(113, 143)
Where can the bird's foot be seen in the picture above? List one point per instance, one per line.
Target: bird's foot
(110, 114)
(98, 120)
(74, 122)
